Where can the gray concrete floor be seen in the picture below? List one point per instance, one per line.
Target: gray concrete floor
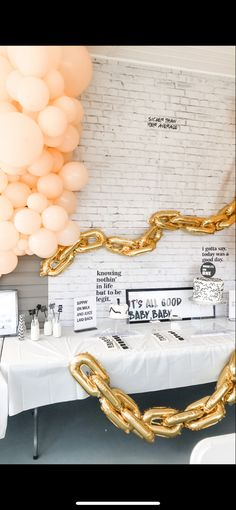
(79, 433)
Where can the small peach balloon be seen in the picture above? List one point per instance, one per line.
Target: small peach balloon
(72, 108)
(43, 243)
(12, 83)
(6, 209)
(3, 181)
(22, 244)
(69, 235)
(5, 69)
(76, 68)
(19, 252)
(8, 261)
(21, 140)
(43, 165)
(8, 235)
(74, 175)
(52, 121)
(50, 185)
(54, 218)
(27, 221)
(58, 160)
(68, 201)
(55, 83)
(33, 93)
(29, 179)
(17, 193)
(12, 170)
(30, 60)
(70, 139)
(37, 202)
(6, 107)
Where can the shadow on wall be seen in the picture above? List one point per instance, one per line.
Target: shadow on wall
(32, 288)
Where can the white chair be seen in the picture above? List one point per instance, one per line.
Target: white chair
(214, 450)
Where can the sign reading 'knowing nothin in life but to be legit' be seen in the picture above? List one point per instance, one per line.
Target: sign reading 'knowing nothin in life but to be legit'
(147, 305)
(84, 313)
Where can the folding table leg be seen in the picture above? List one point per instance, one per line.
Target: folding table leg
(35, 440)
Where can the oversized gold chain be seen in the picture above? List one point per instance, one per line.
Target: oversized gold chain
(159, 221)
(123, 412)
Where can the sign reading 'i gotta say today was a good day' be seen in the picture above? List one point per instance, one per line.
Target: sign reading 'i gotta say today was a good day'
(84, 313)
(164, 304)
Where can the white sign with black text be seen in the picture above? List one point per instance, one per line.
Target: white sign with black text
(85, 313)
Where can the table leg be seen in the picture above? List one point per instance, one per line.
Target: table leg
(35, 440)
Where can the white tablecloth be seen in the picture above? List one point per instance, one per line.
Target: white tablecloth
(33, 374)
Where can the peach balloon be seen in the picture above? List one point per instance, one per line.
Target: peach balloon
(74, 175)
(8, 262)
(68, 201)
(21, 140)
(30, 60)
(5, 69)
(52, 121)
(43, 165)
(22, 244)
(54, 218)
(43, 243)
(33, 93)
(6, 209)
(29, 179)
(8, 235)
(27, 221)
(55, 83)
(3, 181)
(58, 160)
(72, 108)
(76, 68)
(53, 141)
(18, 252)
(6, 107)
(17, 193)
(12, 84)
(37, 202)
(3, 51)
(54, 53)
(70, 139)
(50, 185)
(69, 235)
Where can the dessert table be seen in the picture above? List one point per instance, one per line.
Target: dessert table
(35, 373)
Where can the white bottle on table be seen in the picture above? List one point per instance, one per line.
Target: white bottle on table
(34, 331)
(47, 328)
(56, 328)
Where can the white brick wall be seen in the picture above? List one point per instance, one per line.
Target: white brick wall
(136, 170)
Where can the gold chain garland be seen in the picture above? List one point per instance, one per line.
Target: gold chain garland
(123, 412)
(159, 221)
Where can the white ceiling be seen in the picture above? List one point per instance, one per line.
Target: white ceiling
(207, 59)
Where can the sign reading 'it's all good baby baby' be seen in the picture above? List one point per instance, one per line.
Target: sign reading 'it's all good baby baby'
(147, 305)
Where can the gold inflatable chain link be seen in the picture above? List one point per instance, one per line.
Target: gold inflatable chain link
(159, 221)
(124, 413)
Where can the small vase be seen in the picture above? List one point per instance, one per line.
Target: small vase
(47, 328)
(56, 328)
(34, 332)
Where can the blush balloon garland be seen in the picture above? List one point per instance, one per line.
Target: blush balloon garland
(40, 126)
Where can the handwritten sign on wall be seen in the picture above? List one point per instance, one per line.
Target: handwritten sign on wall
(147, 305)
(84, 313)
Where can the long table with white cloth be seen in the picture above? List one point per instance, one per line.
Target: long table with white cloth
(35, 373)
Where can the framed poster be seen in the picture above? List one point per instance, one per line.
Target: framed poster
(84, 313)
(8, 312)
(147, 305)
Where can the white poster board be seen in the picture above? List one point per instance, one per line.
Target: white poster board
(8, 312)
(85, 313)
(147, 305)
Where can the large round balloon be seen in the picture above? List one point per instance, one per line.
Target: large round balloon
(43, 243)
(21, 140)
(27, 221)
(30, 60)
(8, 235)
(54, 218)
(52, 120)
(33, 93)
(76, 68)
(50, 185)
(17, 193)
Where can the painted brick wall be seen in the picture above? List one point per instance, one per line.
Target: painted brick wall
(136, 169)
